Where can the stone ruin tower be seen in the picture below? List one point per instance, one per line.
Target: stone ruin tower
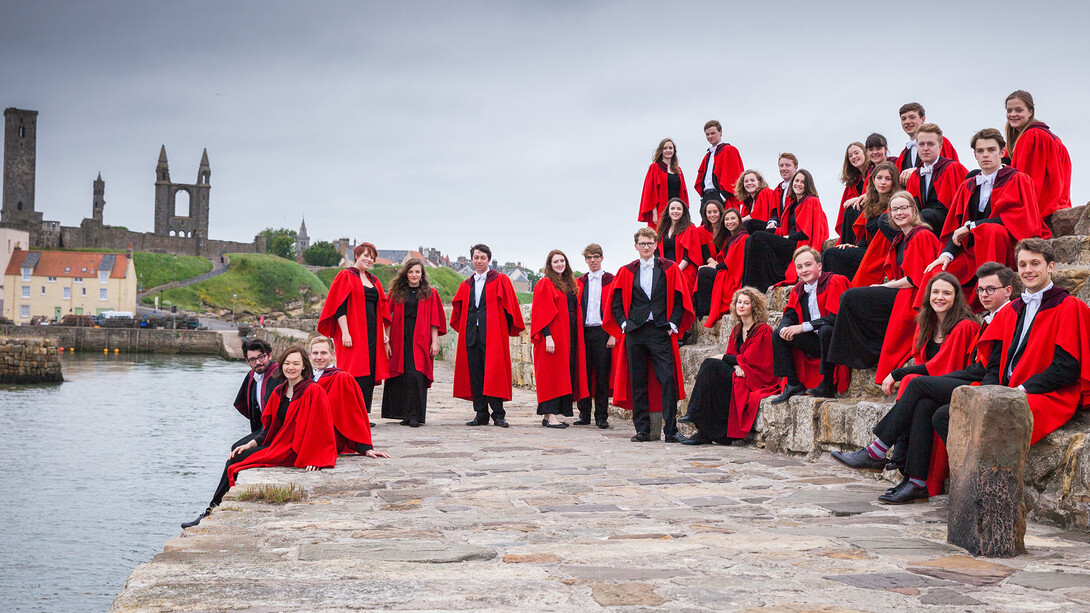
(181, 209)
(20, 156)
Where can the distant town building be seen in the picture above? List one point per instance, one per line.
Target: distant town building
(52, 284)
(302, 241)
(10, 240)
(519, 280)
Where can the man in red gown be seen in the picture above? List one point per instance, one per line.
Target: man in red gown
(912, 118)
(788, 165)
(597, 343)
(346, 403)
(935, 182)
(259, 382)
(649, 308)
(721, 166)
(485, 312)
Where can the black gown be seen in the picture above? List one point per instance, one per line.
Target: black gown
(846, 261)
(768, 255)
(562, 405)
(405, 396)
(709, 402)
(673, 185)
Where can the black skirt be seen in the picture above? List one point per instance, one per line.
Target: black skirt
(705, 282)
(860, 326)
(767, 259)
(405, 396)
(709, 403)
(844, 261)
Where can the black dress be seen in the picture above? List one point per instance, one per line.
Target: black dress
(846, 261)
(562, 405)
(669, 248)
(406, 396)
(370, 297)
(673, 185)
(768, 255)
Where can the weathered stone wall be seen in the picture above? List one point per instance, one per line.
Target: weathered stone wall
(137, 340)
(106, 237)
(29, 360)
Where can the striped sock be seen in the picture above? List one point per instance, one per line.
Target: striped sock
(877, 449)
(918, 482)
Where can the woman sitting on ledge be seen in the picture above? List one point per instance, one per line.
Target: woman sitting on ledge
(297, 430)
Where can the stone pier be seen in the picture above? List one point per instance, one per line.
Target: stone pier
(29, 360)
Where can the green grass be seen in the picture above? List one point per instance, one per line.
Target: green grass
(154, 269)
(273, 494)
(525, 297)
(443, 279)
(262, 282)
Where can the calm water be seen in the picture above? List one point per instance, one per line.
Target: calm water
(96, 473)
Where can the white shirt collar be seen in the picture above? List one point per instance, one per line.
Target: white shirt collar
(927, 168)
(910, 144)
(1028, 297)
(810, 287)
(318, 374)
(477, 276)
(982, 178)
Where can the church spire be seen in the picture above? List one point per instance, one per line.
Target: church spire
(204, 172)
(162, 170)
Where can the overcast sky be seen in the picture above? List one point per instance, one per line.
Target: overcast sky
(528, 126)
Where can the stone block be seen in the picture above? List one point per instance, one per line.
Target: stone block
(990, 428)
(1072, 249)
(1071, 278)
(1064, 221)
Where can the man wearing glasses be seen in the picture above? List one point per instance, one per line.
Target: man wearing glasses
(649, 309)
(597, 344)
(259, 382)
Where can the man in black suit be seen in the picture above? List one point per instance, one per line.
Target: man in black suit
(597, 343)
(259, 382)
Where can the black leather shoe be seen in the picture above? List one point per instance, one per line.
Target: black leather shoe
(906, 493)
(671, 438)
(788, 392)
(414, 424)
(582, 421)
(894, 488)
(685, 419)
(502, 423)
(602, 424)
(696, 440)
(860, 460)
(190, 524)
(474, 422)
(372, 424)
(641, 438)
(556, 425)
(404, 422)
(822, 391)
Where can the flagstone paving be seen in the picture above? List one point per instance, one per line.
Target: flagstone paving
(491, 519)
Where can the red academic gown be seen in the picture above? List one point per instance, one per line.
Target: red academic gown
(1062, 321)
(702, 239)
(552, 371)
(581, 284)
(850, 191)
(727, 168)
(1042, 155)
(245, 392)
(1014, 202)
(755, 359)
(429, 312)
(830, 287)
(871, 268)
(957, 351)
(355, 360)
(946, 175)
(947, 151)
(622, 282)
(502, 302)
(683, 244)
(921, 249)
(809, 218)
(764, 206)
(656, 193)
(305, 438)
(347, 408)
(730, 280)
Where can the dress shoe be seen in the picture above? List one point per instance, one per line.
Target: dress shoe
(582, 421)
(696, 440)
(641, 438)
(502, 423)
(906, 493)
(726, 440)
(685, 419)
(372, 424)
(602, 424)
(474, 422)
(860, 460)
(190, 524)
(414, 424)
(823, 390)
(894, 488)
(671, 438)
(788, 392)
(404, 422)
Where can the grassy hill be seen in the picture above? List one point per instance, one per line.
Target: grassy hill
(263, 283)
(154, 269)
(443, 279)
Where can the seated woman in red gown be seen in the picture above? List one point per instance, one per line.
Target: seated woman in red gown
(709, 243)
(728, 277)
(354, 316)
(675, 232)
(417, 321)
(803, 222)
(1039, 153)
(297, 429)
(946, 338)
(874, 326)
(862, 260)
(759, 204)
(853, 176)
(556, 331)
(729, 388)
(664, 182)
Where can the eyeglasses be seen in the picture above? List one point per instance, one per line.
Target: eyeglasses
(898, 209)
(987, 291)
(592, 257)
(645, 245)
(260, 358)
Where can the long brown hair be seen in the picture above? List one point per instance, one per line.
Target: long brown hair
(874, 204)
(809, 189)
(718, 232)
(674, 166)
(565, 281)
(665, 223)
(740, 192)
(399, 287)
(927, 320)
(1012, 134)
(850, 175)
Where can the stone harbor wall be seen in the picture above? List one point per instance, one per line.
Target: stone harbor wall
(29, 360)
(137, 340)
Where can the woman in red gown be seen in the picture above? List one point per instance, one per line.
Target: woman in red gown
(675, 239)
(417, 321)
(728, 278)
(862, 260)
(759, 204)
(729, 388)
(853, 175)
(768, 256)
(556, 331)
(664, 182)
(1039, 153)
(708, 248)
(355, 317)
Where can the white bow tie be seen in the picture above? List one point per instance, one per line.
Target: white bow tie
(650, 264)
(910, 144)
(926, 170)
(981, 179)
(1029, 298)
(809, 288)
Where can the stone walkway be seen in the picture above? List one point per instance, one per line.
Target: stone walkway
(528, 518)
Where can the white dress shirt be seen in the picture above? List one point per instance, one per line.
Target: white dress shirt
(911, 146)
(925, 179)
(594, 299)
(258, 378)
(318, 374)
(478, 287)
(708, 179)
(1033, 304)
(811, 305)
(986, 183)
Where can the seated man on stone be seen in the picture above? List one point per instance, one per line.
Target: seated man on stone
(929, 395)
(807, 326)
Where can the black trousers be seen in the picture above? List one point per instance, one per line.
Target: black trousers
(224, 485)
(702, 297)
(813, 344)
(844, 261)
(475, 355)
(599, 362)
(767, 259)
(649, 342)
(912, 415)
(935, 217)
(755, 225)
(861, 326)
(367, 386)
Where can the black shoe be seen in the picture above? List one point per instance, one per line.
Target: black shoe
(582, 421)
(906, 493)
(474, 422)
(190, 524)
(894, 488)
(696, 440)
(404, 422)
(640, 438)
(727, 441)
(824, 390)
(860, 460)
(685, 419)
(502, 423)
(372, 424)
(792, 389)
(560, 425)
(602, 424)
(414, 424)
(671, 438)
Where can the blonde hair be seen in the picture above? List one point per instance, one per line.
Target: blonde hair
(322, 339)
(756, 298)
